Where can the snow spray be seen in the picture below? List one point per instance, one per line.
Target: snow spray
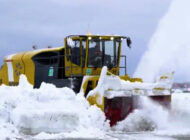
(169, 48)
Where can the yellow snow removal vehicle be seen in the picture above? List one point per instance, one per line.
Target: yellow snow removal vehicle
(79, 64)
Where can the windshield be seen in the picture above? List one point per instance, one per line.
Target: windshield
(103, 53)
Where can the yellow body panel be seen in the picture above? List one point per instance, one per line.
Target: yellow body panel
(4, 75)
(85, 85)
(18, 66)
(21, 63)
(29, 68)
(29, 64)
(93, 101)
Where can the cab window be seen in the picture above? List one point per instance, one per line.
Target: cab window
(95, 53)
(103, 52)
(75, 52)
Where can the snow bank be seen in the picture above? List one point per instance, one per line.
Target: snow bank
(50, 110)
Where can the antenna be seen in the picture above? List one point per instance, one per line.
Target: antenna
(34, 47)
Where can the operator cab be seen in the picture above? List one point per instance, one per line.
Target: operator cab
(103, 52)
(87, 54)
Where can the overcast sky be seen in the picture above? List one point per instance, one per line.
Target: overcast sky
(24, 23)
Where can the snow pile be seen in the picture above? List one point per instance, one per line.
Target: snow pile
(50, 110)
(8, 131)
(169, 48)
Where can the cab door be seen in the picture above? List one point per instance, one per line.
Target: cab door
(74, 57)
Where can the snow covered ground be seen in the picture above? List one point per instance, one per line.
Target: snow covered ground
(52, 113)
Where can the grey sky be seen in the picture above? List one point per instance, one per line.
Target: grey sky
(24, 23)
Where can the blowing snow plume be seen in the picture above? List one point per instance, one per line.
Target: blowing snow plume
(169, 47)
(153, 118)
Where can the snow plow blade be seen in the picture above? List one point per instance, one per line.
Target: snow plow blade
(118, 98)
(118, 108)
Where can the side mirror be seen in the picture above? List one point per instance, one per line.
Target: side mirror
(129, 42)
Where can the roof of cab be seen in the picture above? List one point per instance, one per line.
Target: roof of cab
(96, 35)
(30, 54)
(35, 52)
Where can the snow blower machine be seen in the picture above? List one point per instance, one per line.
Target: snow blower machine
(89, 64)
